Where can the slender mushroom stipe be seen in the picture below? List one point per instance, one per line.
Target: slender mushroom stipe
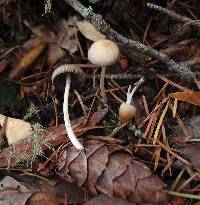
(68, 71)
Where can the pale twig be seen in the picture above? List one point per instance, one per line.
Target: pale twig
(174, 15)
(170, 13)
(104, 27)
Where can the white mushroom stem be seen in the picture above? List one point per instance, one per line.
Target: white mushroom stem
(131, 93)
(102, 87)
(68, 126)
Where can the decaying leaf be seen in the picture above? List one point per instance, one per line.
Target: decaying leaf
(55, 52)
(191, 152)
(192, 127)
(26, 61)
(187, 50)
(89, 31)
(44, 198)
(110, 169)
(187, 95)
(42, 32)
(12, 192)
(67, 37)
(16, 129)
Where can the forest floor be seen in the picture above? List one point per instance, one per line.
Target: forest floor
(151, 157)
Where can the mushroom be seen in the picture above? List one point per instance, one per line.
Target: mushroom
(70, 73)
(103, 53)
(126, 110)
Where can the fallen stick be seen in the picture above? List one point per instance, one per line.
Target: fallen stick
(101, 25)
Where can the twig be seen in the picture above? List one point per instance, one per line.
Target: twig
(175, 16)
(105, 28)
(116, 76)
(170, 13)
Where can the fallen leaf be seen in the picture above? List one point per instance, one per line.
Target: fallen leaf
(89, 31)
(69, 42)
(192, 127)
(12, 192)
(190, 96)
(187, 50)
(54, 53)
(44, 198)
(16, 129)
(192, 153)
(26, 61)
(42, 32)
(110, 169)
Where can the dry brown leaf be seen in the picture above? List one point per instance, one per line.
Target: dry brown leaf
(191, 127)
(110, 169)
(26, 61)
(42, 32)
(44, 198)
(191, 152)
(12, 192)
(187, 50)
(190, 96)
(89, 31)
(55, 52)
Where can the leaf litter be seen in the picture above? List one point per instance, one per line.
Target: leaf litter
(137, 163)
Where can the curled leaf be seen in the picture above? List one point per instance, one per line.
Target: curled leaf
(188, 96)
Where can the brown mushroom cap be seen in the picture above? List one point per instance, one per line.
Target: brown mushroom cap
(103, 52)
(126, 112)
(59, 75)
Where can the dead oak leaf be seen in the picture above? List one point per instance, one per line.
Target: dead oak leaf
(189, 96)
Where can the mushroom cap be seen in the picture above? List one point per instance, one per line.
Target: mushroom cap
(59, 75)
(126, 112)
(103, 52)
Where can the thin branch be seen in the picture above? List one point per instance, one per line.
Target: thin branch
(105, 28)
(170, 13)
(174, 15)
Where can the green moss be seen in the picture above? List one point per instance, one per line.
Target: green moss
(110, 123)
(10, 100)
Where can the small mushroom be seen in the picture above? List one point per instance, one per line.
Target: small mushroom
(103, 53)
(70, 73)
(126, 110)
